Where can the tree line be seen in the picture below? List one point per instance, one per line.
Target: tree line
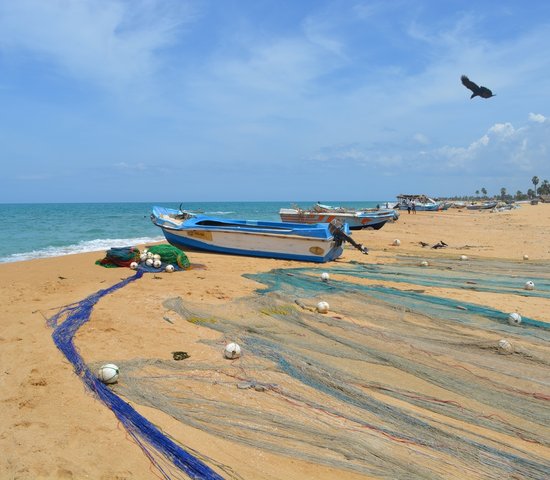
(544, 189)
(531, 193)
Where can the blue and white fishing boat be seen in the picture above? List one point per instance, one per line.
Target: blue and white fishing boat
(290, 241)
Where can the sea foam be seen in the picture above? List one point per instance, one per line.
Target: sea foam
(81, 247)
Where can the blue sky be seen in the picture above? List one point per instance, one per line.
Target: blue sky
(226, 100)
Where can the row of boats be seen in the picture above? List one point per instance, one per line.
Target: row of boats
(424, 203)
(316, 234)
(311, 235)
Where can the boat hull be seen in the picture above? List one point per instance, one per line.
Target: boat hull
(423, 207)
(482, 206)
(355, 221)
(422, 203)
(250, 238)
(255, 245)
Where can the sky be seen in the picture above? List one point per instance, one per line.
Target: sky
(270, 100)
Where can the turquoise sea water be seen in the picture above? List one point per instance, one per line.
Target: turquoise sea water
(50, 230)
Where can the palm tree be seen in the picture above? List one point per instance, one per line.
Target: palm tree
(535, 181)
(477, 193)
(503, 192)
(484, 191)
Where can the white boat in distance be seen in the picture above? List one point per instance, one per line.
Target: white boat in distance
(482, 206)
(356, 219)
(421, 203)
(310, 243)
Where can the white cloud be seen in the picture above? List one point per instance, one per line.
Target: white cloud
(317, 32)
(537, 117)
(502, 150)
(131, 167)
(355, 156)
(502, 129)
(34, 177)
(421, 138)
(277, 65)
(112, 43)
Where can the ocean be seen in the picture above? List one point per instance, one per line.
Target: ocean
(54, 229)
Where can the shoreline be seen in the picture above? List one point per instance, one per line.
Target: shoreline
(54, 428)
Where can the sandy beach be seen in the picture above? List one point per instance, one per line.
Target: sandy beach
(385, 385)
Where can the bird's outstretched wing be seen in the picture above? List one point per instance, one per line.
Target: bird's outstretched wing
(469, 84)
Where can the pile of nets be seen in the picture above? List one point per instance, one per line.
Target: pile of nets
(170, 255)
(165, 254)
(119, 257)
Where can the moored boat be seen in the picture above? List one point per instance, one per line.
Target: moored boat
(356, 219)
(482, 206)
(421, 203)
(311, 243)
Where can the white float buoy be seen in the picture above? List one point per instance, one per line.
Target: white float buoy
(133, 265)
(232, 350)
(325, 277)
(157, 263)
(424, 263)
(169, 268)
(149, 255)
(396, 242)
(526, 257)
(149, 262)
(108, 373)
(156, 256)
(505, 346)
(529, 285)
(463, 257)
(143, 257)
(514, 318)
(323, 307)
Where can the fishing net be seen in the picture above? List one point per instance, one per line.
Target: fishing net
(391, 383)
(170, 255)
(125, 256)
(482, 275)
(171, 460)
(119, 257)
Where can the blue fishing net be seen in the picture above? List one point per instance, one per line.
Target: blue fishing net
(163, 452)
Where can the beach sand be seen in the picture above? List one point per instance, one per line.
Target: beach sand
(398, 403)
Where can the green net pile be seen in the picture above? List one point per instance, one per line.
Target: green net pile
(171, 255)
(119, 257)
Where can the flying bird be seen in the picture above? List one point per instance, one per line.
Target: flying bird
(477, 91)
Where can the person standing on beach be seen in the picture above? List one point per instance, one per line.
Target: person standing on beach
(409, 207)
(414, 207)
